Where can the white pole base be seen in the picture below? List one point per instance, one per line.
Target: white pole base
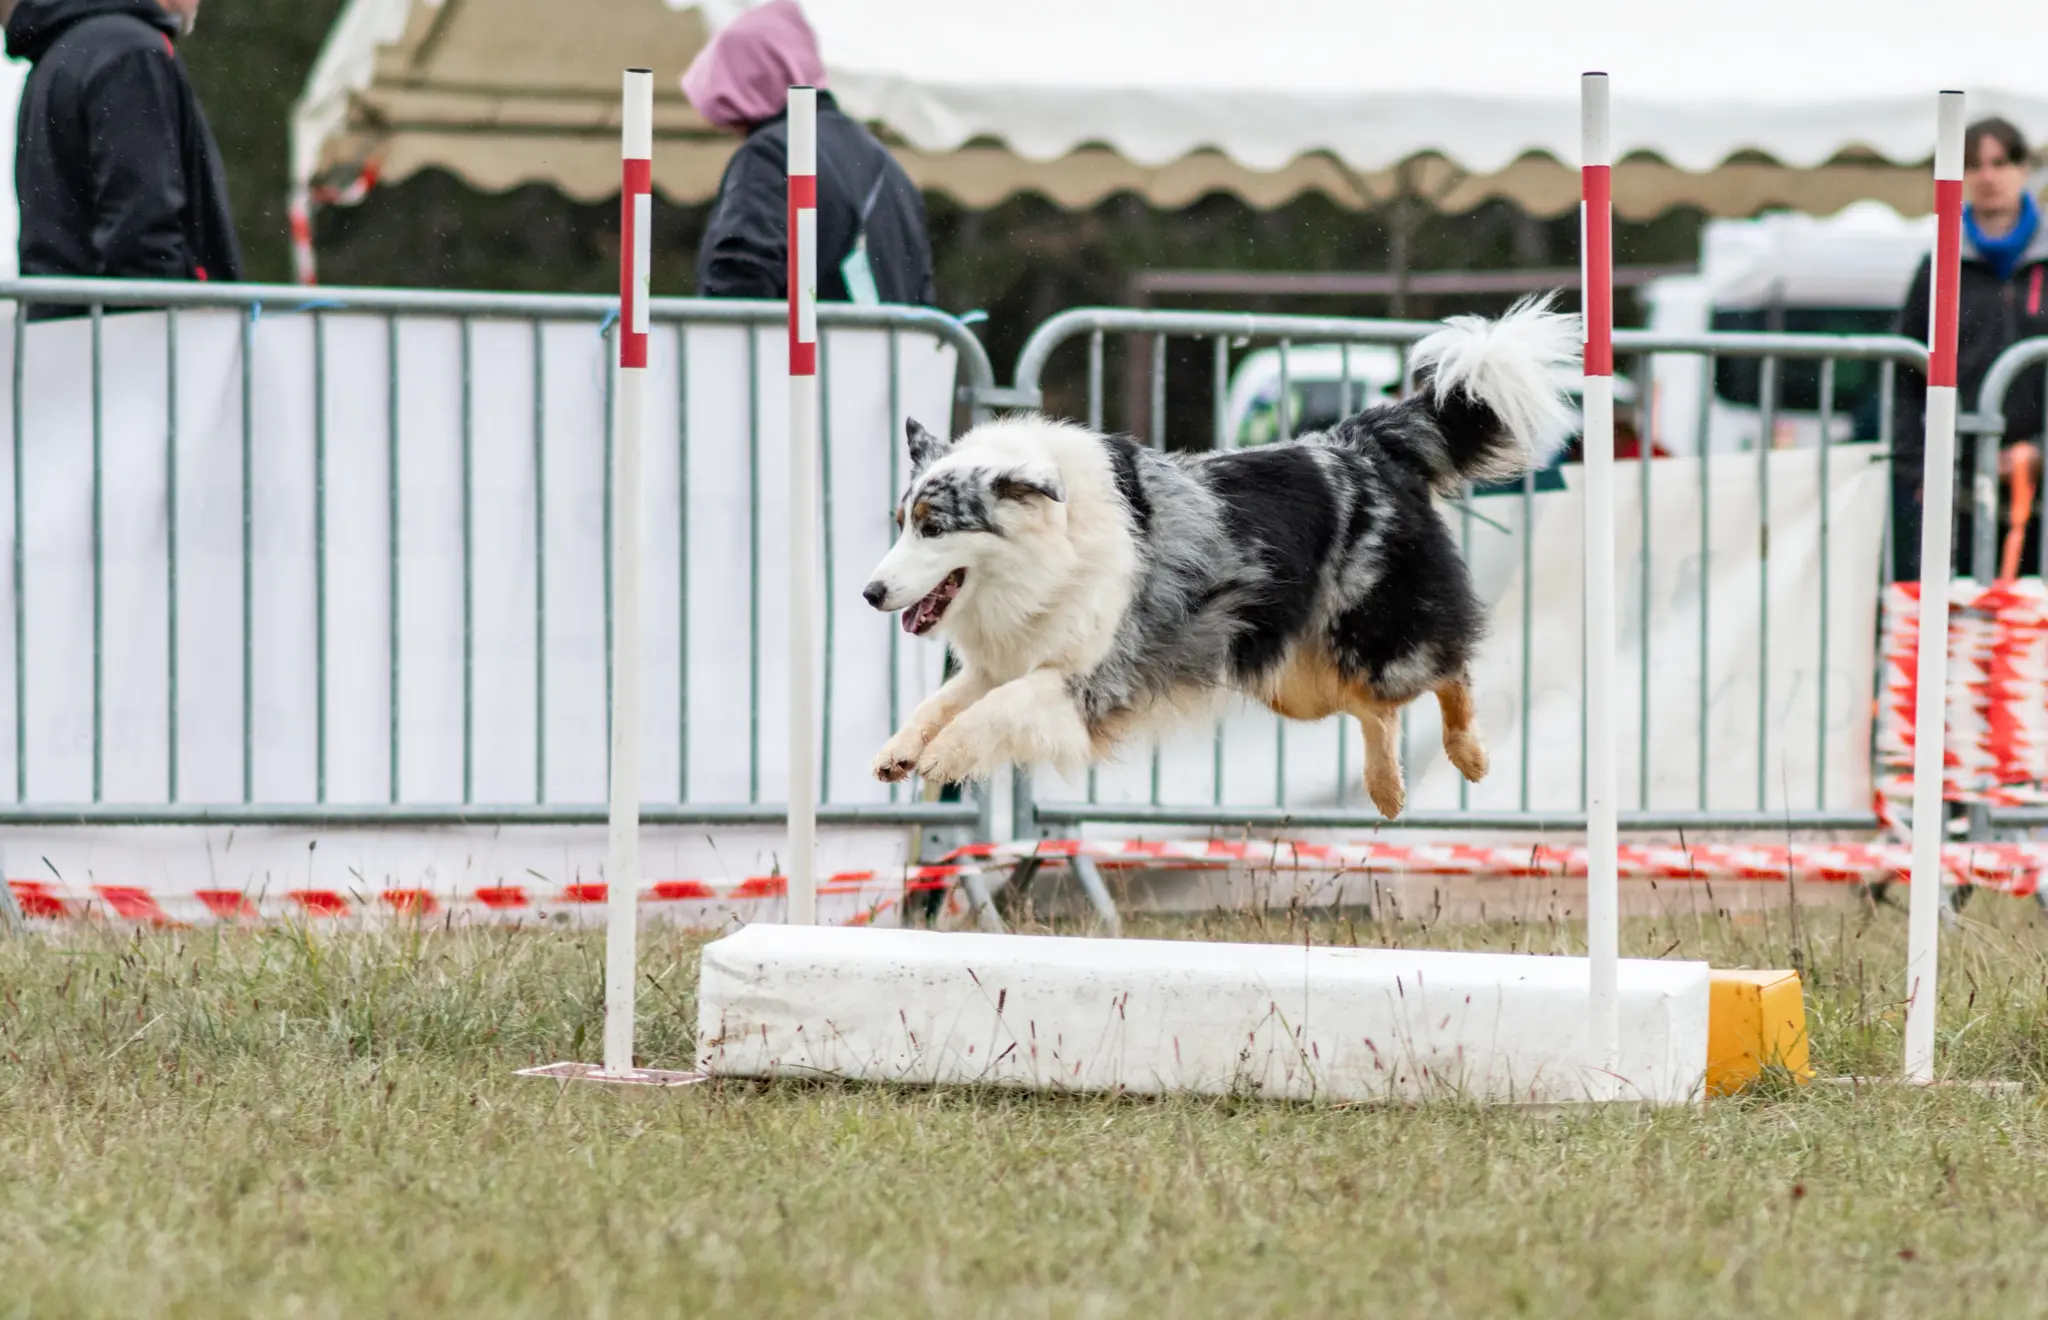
(592, 1072)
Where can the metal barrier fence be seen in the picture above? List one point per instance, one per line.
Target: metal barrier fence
(1783, 364)
(1986, 429)
(201, 550)
(1782, 374)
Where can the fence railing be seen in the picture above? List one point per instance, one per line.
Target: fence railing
(292, 558)
(1797, 753)
(343, 560)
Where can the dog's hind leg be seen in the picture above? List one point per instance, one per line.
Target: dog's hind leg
(1383, 756)
(1462, 742)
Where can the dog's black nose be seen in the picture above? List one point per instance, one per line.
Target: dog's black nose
(873, 593)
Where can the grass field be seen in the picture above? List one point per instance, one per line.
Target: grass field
(325, 1124)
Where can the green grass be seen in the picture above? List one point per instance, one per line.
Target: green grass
(326, 1124)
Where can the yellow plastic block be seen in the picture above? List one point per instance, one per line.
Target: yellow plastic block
(1754, 1020)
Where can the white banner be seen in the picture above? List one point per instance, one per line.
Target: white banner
(536, 600)
(1812, 715)
(535, 608)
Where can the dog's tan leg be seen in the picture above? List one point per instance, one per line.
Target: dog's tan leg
(1462, 742)
(1383, 756)
(899, 755)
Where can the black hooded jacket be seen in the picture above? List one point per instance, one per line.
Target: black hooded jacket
(117, 171)
(745, 253)
(1992, 316)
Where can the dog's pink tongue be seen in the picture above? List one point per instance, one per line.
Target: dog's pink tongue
(915, 618)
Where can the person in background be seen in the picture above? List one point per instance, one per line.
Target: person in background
(872, 243)
(2002, 301)
(117, 172)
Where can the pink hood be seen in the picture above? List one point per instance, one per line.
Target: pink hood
(743, 77)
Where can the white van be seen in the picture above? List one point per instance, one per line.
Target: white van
(1315, 384)
(1843, 274)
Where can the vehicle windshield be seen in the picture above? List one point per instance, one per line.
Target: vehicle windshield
(1739, 381)
(1316, 405)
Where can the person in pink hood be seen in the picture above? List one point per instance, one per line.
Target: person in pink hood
(872, 243)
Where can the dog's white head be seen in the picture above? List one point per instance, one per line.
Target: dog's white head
(966, 521)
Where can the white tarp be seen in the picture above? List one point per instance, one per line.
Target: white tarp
(1812, 710)
(1737, 108)
(729, 553)
(507, 727)
(13, 73)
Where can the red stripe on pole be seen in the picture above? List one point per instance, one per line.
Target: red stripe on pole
(1948, 256)
(638, 182)
(1597, 185)
(803, 196)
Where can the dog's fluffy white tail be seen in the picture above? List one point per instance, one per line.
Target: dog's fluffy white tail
(1493, 389)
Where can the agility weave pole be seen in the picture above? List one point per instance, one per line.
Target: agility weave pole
(1596, 274)
(802, 241)
(622, 868)
(1937, 510)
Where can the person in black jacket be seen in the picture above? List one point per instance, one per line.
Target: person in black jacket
(872, 244)
(2002, 299)
(117, 173)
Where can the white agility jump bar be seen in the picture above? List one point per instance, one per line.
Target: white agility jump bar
(801, 864)
(1596, 276)
(1274, 1021)
(1923, 916)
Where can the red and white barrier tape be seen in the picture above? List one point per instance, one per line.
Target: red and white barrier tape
(2016, 868)
(859, 897)
(306, 200)
(1996, 703)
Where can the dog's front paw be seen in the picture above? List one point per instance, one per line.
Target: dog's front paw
(950, 759)
(898, 757)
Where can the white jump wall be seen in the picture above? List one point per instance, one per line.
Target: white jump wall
(1153, 1016)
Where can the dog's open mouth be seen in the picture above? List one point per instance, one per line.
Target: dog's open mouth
(924, 616)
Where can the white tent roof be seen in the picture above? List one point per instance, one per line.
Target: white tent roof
(1811, 104)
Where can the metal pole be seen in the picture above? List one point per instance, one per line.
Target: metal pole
(622, 872)
(803, 504)
(1603, 900)
(1930, 728)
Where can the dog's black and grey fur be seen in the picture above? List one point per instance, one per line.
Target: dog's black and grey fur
(1317, 576)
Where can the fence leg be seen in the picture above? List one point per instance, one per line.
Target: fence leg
(11, 920)
(1090, 877)
(981, 905)
(1015, 891)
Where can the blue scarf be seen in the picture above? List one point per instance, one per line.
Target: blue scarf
(2003, 254)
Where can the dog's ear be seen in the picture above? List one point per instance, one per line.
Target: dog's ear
(1031, 483)
(925, 448)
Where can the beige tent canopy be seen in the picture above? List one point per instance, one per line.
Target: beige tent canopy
(1808, 106)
